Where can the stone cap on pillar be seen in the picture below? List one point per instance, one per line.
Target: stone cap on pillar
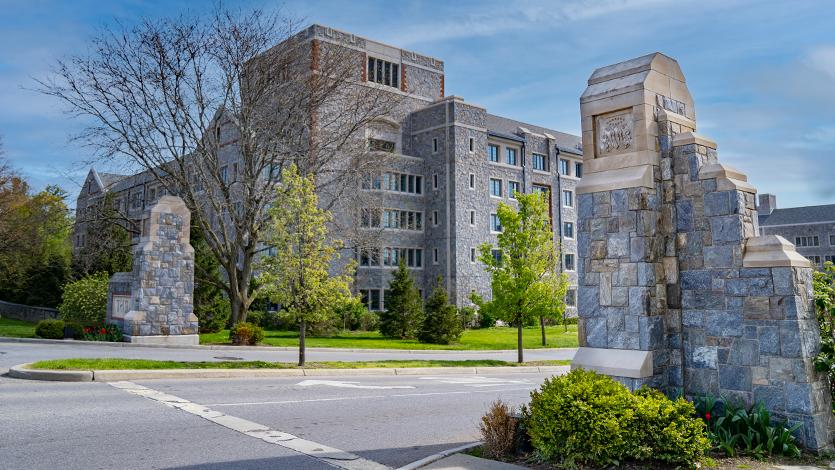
(614, 362)
(727, 177)
(166, 205)
(687, 138)
(771, 251)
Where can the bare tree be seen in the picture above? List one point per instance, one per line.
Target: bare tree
(214, 110)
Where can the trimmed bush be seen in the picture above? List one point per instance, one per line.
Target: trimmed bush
(587, 418)
(50, 329)
(85, 300)
(246, 333)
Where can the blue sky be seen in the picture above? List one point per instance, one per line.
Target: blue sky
(762, 73)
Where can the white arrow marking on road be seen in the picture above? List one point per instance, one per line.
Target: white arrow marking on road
(339, 383)
(475, 381)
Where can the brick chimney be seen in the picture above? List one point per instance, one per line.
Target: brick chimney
(768, 202)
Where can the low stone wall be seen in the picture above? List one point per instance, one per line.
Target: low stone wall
(26, 312)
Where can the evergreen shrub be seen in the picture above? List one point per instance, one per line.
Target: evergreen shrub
(50, 329)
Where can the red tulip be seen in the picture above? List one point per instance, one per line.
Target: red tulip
(707, 415)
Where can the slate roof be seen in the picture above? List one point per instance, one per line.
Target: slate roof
(799, 215)
(109, 179)
(508, 127)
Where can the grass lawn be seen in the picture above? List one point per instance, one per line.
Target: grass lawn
(16, 328)
(480, 339)
(144, 364)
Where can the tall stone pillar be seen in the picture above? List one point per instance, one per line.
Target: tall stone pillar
(676, 291)
(153, 303)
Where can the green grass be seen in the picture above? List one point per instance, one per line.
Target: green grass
(480, 339)
(145, 364)
(16, 328)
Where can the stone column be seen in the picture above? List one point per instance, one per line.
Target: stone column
(153, 303)
(676, 290)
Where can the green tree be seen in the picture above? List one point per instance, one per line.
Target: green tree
(297, 277)
(441, 323)
(525, 272)
(109, 250)
(404, 310)
(85, 300)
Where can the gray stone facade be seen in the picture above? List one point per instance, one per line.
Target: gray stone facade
(153, 303)
(672, 269)
(431, 135)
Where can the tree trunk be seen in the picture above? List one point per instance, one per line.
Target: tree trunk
(302, 328)
(236, 309)
(519, 341)
(542, 326)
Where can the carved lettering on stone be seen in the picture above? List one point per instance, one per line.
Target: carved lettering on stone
(614, 133)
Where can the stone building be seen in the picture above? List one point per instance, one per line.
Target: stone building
(448, 163)
(810, 228)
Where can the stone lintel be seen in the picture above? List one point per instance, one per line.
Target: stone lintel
(614, 362)
(772, 251)
(622, 160)
(633, 177)
(730, 184)
(687, 138)
(666, 115)
(186, 340)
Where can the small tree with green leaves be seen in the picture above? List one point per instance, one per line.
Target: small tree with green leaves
(404, 310)
(441, 323)
(525, 274)
(297, 277)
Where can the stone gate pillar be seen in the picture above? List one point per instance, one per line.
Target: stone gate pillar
(676, 291)
(153, 303)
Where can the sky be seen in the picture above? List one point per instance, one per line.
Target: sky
(762, 73)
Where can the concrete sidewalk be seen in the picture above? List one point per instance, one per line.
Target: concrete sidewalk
(468, 462)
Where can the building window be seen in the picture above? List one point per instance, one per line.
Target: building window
(497, 256)
(435, 218)
(369, 256)
(540, 162)
(371, 298)
(829, 258)
(567, 198)
(400, 183)
(510, 156)
(379, 145)
(578, 170)
(543, 190)
(472, 217)
(569, 262)
(413, 257)
(568, 229)
(224, 174)
(571, 298)
(434, 256)
(493, 153)
(832, 240)
(512, 189)
(370, 218)
(383, 72)
(815, 259)
(495, 223)
(472, 145)
(472, 255)
(402, 219)
(564, 167)
(495, 187)
(472, 181)
(435, 181)
(807, 241)
(435, 145)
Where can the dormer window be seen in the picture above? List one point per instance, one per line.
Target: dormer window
(383, 72)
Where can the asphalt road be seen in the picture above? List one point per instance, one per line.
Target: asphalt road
(17, 353)
(379, 420)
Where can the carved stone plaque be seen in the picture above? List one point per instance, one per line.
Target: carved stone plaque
(614, 133)
(121, 305)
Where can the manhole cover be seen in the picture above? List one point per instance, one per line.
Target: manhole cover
(229, 358)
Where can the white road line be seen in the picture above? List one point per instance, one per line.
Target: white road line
(344, 384)
(397, 395)
(329, 455)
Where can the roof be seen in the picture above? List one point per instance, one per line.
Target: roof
(799, 215)
(506, 127)
(109, 179)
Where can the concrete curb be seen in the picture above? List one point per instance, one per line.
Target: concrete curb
(4, 339)
(22, 371)
(440, 455)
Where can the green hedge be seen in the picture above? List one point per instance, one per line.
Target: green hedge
(50, 329)
(85, 300)
(587, 418)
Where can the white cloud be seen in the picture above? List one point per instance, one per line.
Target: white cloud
(822, 59)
